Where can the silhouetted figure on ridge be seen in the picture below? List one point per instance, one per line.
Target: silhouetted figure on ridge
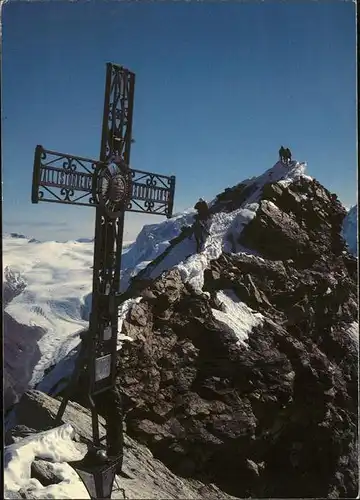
(203, 210)
(282, 154)
(285, 155)
(288, 155)
(200, 223)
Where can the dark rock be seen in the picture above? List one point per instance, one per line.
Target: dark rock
(12, 495)
(233, 198)
(275, 234)
(14, 285)
(17, 235)
(26, 493)
(17, 433)
(44, 472)
(21, 353)
(300, 222)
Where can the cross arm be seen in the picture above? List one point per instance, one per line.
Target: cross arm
(76, 180)
(62, 178)
(151, 193)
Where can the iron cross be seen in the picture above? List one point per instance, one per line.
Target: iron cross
(112, 187)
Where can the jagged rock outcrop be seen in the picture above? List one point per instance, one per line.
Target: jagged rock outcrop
(143, 475)
(14, 284)
(276, 417)
(301, 221)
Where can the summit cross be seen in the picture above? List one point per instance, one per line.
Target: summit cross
(113, 188)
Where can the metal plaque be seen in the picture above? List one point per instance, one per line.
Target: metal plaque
(102, 367)
(107, 333)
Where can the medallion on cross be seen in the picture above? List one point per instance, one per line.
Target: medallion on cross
(113, 187)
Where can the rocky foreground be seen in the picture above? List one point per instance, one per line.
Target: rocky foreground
(143, 476)
(273, 414)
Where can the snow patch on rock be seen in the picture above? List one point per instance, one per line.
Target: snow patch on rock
(237, 315)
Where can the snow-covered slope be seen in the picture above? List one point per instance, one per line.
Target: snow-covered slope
(350, 229)
(58, 446)
(58, 276)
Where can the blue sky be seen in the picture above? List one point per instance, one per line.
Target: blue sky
(219, 87)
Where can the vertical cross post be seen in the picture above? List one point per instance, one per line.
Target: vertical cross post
(115, 144)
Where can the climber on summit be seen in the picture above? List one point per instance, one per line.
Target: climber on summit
(285, 155)
(282, 154)
(200, 223)
(288, 155)
(203, 210)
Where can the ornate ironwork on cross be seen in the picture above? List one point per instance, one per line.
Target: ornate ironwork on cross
(112, 187)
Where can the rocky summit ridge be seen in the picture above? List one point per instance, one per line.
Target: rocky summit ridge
(247, 378)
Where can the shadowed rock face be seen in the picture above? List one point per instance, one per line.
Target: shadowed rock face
(21, 353)
(14, 285)
(277, 418)
(301, 222)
